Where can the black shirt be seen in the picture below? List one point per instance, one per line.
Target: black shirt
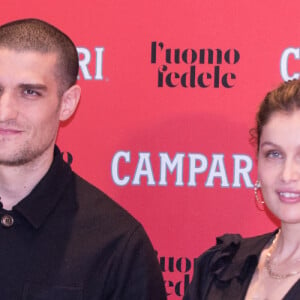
(69, 241)
(225, 271)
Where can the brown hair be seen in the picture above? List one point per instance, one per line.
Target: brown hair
(285, 98)
(40, 36)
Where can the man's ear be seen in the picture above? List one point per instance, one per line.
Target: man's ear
(69, 102)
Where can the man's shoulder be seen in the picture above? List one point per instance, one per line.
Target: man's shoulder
(96, 207)
(89, 194)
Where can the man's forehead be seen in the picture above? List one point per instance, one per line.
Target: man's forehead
(27, 67)
(29, 59)
(28, 52)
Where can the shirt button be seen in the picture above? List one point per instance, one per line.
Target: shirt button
(7, 221)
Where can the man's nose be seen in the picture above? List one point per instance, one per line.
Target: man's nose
(8, 107)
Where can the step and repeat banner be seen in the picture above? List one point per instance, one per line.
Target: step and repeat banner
(170, 91)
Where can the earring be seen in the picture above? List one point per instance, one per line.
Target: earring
(259, 201)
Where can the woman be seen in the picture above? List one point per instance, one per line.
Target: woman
(267, 266)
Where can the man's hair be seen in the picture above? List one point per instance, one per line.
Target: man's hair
(37, 35)
(285, 98)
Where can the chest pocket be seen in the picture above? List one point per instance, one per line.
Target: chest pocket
(42, 292)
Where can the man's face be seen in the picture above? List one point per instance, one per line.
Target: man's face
(29, 106)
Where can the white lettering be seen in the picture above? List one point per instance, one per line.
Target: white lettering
(217, 169)
(194, 157)
(284, 63)
(84, 60)
(115, 168)
(85, 56)
(165, 163)
(198, 164)
(143, 168)
(99, 63)
(240, 171)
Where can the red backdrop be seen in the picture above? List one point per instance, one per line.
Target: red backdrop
(170, 90)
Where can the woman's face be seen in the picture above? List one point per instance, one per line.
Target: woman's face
(279, 165)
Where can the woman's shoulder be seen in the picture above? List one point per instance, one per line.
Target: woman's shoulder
(233, 256)
(231, 244)
(238, 240)
(230, 250)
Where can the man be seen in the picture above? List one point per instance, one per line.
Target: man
(61, 238)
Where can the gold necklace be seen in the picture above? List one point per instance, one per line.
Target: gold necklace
(268, 264)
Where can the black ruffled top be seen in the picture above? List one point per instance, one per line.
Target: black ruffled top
(225, 270)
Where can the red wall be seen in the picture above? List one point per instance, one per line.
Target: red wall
(154, 100)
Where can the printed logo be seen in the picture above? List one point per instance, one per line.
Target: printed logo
(288, 58)
(177, 272)
(91, 63)
(195, 164)
(204, 67)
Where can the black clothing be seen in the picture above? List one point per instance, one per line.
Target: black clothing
(69, 241)
(225, 271)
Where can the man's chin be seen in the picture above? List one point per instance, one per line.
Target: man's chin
(19, 159)
(14, 162)
(20, 156)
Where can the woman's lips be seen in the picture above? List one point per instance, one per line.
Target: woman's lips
(289, 196)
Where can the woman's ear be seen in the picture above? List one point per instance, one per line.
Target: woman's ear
(69, 102)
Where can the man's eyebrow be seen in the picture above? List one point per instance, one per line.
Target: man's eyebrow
(33, 86)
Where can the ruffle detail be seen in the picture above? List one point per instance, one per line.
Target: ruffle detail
(225, 265)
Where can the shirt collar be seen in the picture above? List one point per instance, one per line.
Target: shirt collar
(43, 198)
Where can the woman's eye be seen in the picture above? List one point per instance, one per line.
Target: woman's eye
(273, 154)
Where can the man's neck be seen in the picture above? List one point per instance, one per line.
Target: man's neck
(16, 182)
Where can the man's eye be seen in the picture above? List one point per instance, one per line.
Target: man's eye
(31, 92)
